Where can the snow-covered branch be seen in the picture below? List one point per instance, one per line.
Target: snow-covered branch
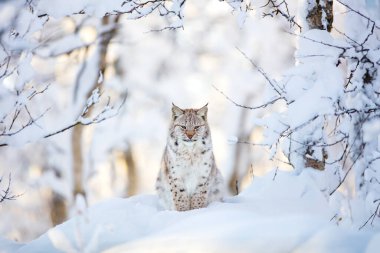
(332, 110)
(133, 9)
(107, 112)
(19, 117)
(281, 7)
(23, 39)
(271, 8)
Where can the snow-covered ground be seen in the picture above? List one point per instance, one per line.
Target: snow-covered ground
(279, 212)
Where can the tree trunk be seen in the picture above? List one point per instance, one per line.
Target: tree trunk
(240, 166)
(320, 14)
(123, 159)
(58, 208)
(77, 132)
(131, 172)
(76, 145)
(58, 202)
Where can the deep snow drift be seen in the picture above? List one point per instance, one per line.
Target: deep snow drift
(287, 214)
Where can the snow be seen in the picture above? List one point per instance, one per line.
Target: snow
(8, 246)
(158, 68)
(277, 213)
(307, 84)
(374, 244)
(94, 98)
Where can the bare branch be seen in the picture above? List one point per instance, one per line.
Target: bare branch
(346, 155)
(319, 42)
(248, 107)
(272, 83)
(36, 92)
(107, 113)
(359, 13)
(30, 122)
(373, 215)
(6, 194)
(281, 8)
(251, 143)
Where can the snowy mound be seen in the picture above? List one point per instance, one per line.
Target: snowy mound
(288, 214)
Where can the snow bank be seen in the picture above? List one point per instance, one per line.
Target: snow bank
(8, 246)
(280, 212)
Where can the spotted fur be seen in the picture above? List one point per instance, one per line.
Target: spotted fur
(188, 178)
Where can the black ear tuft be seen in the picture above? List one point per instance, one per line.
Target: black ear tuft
(202, 112)
(176, 111)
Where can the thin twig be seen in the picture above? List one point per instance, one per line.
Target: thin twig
(372, 216)
(274, 85)
(244, 106)
(6, 194)
(359, 13)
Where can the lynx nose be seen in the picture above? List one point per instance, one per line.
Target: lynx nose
(190, 133)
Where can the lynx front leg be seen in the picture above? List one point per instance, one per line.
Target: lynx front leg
(199, 198)
(182, 202)
(180, 196)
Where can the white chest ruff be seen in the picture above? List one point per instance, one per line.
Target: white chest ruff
(191, 171)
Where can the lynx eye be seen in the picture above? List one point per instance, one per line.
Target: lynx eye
(183, 127)
(197, 127)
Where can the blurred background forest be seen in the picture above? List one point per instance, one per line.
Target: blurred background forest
(85, 97)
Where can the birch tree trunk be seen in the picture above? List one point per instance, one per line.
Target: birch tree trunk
(77, 132)
(320, 14)
(241, 159)
(58, 208)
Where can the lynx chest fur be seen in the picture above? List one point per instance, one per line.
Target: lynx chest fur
(188, 177)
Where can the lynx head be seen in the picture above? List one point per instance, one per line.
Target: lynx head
(189, 125)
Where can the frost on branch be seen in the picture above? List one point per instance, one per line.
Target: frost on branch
(20, 118)
(268, 8)
(335, 122)
(331, 115)
(133, 9)
(17, 116)
(25, 37)
(93, 99)
(107, 111)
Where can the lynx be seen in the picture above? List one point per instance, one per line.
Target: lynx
(188, 177)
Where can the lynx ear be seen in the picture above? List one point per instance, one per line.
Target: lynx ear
(202, 112)
(176, 111)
